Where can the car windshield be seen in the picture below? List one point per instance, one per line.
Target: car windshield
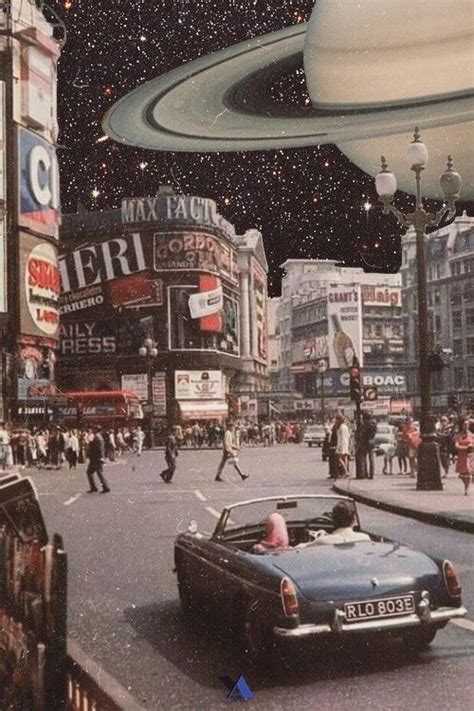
(298, 509)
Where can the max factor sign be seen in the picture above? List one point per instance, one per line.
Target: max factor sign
(170, 207)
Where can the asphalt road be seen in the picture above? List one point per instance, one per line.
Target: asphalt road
(124, 608)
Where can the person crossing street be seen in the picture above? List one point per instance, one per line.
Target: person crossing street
(229, 454)
(171, 452)
(96, 456)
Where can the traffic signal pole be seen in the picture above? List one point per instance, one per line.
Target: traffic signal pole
(356, 396)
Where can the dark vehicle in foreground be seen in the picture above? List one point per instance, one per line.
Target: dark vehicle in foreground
(376, 586)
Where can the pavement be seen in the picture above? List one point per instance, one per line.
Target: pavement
(398, 495)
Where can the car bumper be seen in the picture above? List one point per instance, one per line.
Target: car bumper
(423, 616)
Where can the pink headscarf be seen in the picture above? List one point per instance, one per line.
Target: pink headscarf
(276, 534)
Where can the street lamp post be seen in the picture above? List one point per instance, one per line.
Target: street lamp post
(429, 469)
(149, 351)
(321, 368)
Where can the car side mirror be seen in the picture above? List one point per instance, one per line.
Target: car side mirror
(193, 527)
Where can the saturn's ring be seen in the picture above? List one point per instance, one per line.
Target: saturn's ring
(223, 102)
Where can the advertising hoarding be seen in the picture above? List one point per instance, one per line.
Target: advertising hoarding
(36, 366)
(198, 385)
(345, 325)
(381, 296)
(39, 288)
(197, 251)
(38, 183)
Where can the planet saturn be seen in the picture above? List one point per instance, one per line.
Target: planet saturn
(374, 69)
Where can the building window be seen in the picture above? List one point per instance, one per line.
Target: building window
(437, 323)
(457, 347)
(458, 378)
(470, 346)
(470, 377)
(469, 317)
(456, 296)
(378, 330)
(457, 321)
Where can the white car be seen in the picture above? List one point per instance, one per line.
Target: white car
(384, 437)
(314, 435)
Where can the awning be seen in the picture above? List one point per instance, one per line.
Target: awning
(207, 410)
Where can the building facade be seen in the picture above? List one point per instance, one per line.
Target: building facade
(29, 213)
(171, 269)
(311, 290)
(450, 272)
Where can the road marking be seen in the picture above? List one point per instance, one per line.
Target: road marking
(464, 624)
(200, 495)
(217, 514)
(72, 500)
(213, 512)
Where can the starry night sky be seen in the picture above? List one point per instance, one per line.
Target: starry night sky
(308, 203)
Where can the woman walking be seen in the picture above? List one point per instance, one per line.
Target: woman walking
(464, 447)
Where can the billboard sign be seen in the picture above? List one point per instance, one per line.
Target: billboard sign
(39, 296)
(381, 296)
(345, 325)
(136, 383)
(197, 251)
(38, 184)
(36, 366)
(198, 385)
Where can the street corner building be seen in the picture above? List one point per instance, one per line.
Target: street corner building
(167, 270)
(29, 213)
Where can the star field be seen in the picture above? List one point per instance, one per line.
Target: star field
(308, 203)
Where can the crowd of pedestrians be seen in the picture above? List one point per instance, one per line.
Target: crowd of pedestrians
(56, 447)
(454, 435)
(252, 434)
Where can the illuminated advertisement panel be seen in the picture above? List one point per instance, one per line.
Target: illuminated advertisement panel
(196, 251)
(39, 288)
(38, 184)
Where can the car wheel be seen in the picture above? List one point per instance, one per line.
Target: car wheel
(310, 444)
(417, 640)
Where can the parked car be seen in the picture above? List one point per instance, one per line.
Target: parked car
(314, 435)
(384, 437)
(375, 586)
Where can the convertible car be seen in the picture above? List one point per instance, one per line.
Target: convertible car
(375, 586)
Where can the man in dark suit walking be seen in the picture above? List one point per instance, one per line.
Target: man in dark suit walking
(171, 452)
(96, 456)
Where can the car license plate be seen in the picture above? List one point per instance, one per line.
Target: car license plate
(385, 607)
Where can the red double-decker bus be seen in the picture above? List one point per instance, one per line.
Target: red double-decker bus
(108, 407)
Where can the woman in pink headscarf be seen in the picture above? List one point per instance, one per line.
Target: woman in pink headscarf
(276, 535)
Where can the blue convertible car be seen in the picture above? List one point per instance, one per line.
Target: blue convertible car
(308, 590)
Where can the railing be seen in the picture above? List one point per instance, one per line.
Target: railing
(91, 688)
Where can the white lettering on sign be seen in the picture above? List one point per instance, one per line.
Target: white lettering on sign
(40, 165)
(95, 263)
(81, 339)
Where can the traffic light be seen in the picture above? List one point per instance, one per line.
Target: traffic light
(355, 386)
